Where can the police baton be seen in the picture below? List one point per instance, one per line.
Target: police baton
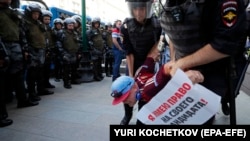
(233, 94)
(247, 56)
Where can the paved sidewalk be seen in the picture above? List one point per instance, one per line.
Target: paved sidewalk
(82, 113)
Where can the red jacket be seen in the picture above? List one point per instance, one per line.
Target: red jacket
(149, 81)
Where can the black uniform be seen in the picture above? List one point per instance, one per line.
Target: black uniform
(58, 61)
(50, 56)
(35, 72)
(219, 23)
(12, 46)
(108, 53)
(138, 40)
(96, 44)
(68, 45)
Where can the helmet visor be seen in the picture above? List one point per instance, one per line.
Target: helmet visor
(138, 4)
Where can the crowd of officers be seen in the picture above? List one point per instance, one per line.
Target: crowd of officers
(31, 51)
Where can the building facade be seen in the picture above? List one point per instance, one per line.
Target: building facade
(107, 10)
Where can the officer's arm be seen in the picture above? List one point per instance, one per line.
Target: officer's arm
(130, 63)
(171, 49)
(89, 39)
(228, 35)
(23, 39)
(59, 42)
(205, 55)
(128, 48)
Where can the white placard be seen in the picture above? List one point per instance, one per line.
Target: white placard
(180, 102)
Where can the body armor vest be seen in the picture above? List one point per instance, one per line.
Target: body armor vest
(108, 38)
(9, 30)
(96, 37)
(70, 42)
(36, 36)
(50, 38)
(188, 31)
(143, 37)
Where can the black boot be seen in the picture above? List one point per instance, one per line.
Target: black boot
(34, 97)
(67, 84)
(128, 114)
(44, 92)
(27, 103)
(225, 107)
(49, 85)
(108, 74)
(5, 122)
(97, 78)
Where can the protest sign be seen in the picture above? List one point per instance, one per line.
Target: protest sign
(180, 102)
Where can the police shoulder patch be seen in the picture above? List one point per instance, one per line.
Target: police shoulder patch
(229, 11)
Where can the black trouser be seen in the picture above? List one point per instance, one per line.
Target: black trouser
(97, 64)
(47, 70)
(3, 110)
(108, 65)
(69, 72)
(15, 82)
(35, 80)
(58, 66)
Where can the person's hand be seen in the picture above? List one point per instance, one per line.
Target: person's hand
(195, 76)
(172, 67)
(168, 67)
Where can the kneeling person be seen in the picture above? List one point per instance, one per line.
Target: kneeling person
(146, 83)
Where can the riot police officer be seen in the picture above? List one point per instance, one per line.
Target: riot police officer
(57, 28)
(13, 51)
(50, 51)
(216, 45)
(14, 39)
(108, 54)
(35, 30)
(140, 33)
(68, 45)
(78, 30)
(78, 24)
(96, 45)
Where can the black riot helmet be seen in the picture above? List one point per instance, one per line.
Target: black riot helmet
(96, 20)
(78, 19)
(33, 7)
(58, 20)
(47, 13)
(108, 24)
(140, 3)
(67, 21)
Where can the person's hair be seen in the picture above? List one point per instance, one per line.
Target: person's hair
(116, 23)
